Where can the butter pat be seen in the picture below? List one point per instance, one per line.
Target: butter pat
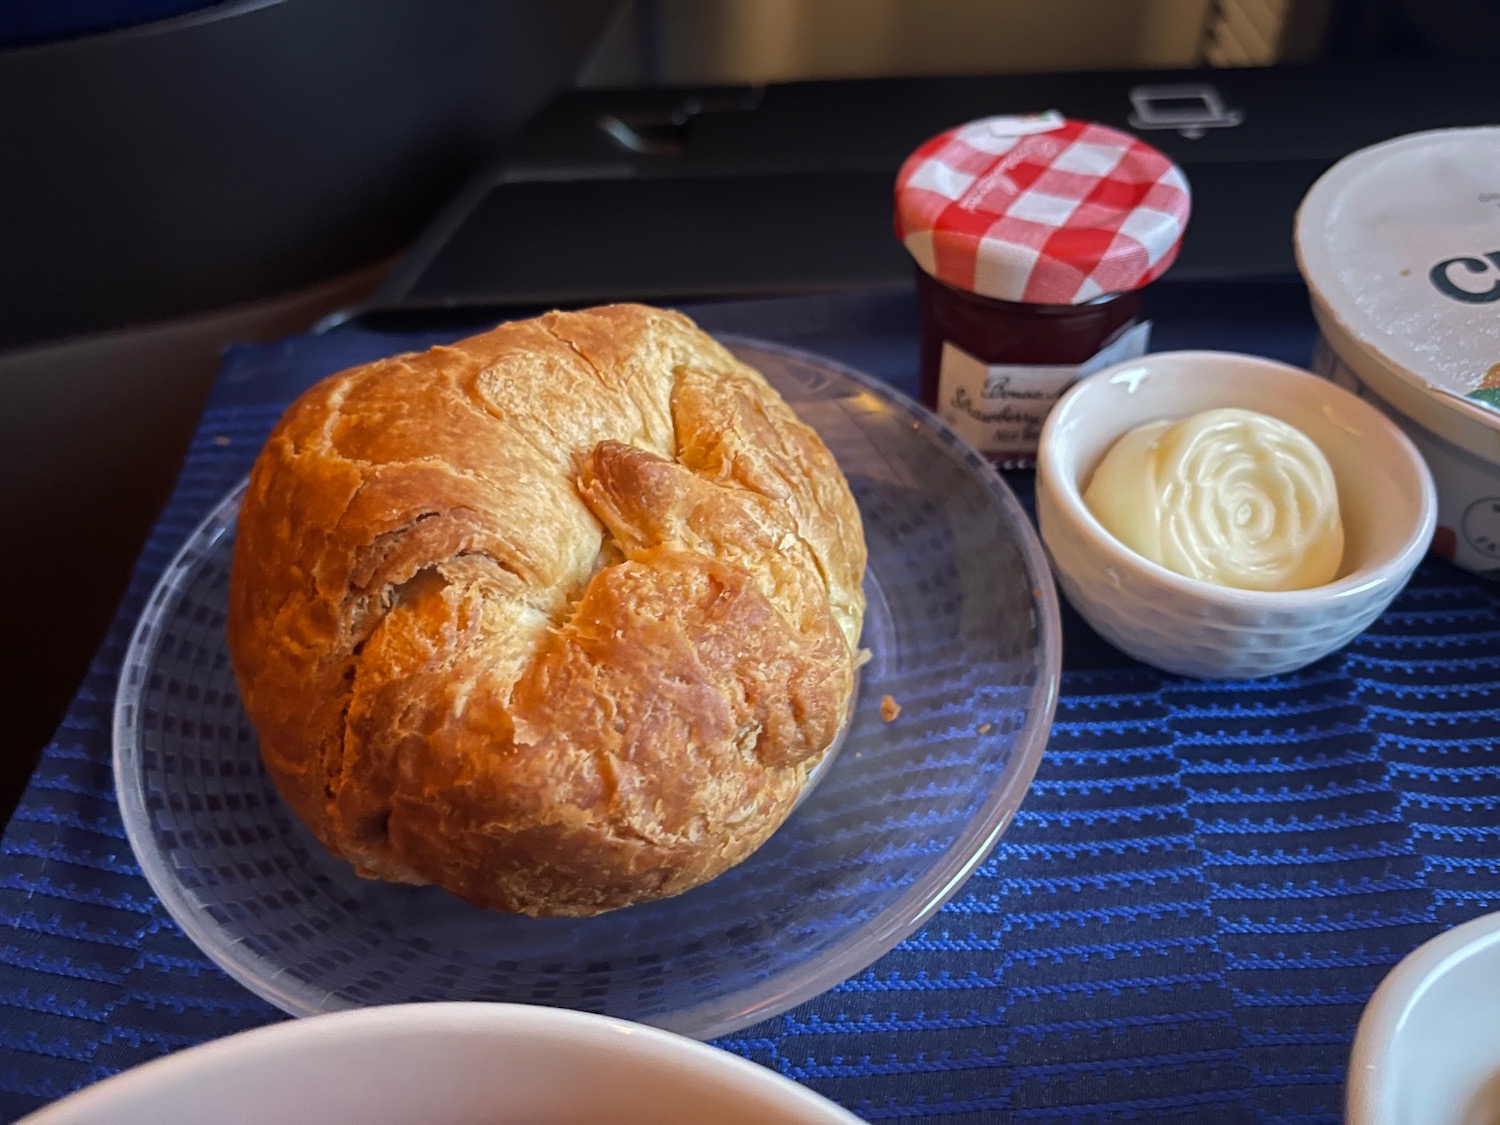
(1228, 496)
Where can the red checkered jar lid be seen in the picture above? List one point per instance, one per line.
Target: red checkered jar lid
(1041, 209)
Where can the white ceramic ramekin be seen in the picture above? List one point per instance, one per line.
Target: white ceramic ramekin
(1196, 628)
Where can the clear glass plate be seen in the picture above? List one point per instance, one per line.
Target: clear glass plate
(963, 633)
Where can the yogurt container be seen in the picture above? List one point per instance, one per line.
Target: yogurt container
(1400, 247)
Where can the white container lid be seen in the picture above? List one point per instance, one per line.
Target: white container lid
(1400, 247)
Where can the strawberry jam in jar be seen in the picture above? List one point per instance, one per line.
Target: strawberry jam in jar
(1033, 238)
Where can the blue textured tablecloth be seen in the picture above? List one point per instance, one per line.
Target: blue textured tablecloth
(1203, 886)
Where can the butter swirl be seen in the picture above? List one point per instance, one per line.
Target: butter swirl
(1227, 496)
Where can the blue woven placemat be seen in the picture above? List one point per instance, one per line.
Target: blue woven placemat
(1202, 888)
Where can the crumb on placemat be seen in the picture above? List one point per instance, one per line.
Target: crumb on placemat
(985, 728)
(889, 708)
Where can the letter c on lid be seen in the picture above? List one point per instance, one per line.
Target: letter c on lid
(1442, 278)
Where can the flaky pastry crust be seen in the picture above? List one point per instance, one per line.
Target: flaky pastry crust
(558, 617)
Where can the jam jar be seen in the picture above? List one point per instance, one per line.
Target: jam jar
(1033, 238)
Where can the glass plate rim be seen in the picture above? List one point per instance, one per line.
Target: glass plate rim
(713, 1018)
